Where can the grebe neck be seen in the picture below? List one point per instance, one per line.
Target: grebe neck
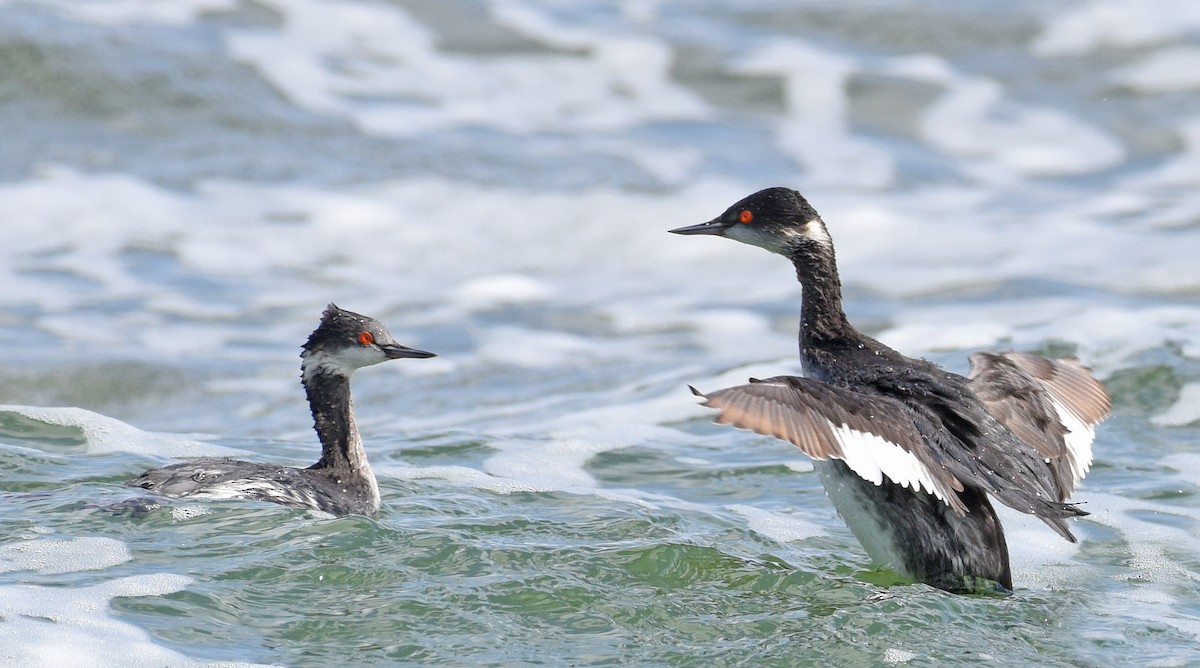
(822, 320)
(342, 451)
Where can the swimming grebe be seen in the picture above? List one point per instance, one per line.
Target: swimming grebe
(341, 483)
(908, 452)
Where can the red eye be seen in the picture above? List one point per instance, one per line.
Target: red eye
(366, 338)
(745, 216)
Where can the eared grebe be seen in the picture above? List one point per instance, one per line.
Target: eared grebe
(908, 452)
(341, 483)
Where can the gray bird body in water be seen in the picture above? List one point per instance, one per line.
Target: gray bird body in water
(908, 452)
(341, 482)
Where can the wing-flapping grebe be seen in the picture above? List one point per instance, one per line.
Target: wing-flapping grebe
(341, 482)
(907, 451)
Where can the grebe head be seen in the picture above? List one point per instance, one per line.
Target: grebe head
(777, 219)
(345, 341)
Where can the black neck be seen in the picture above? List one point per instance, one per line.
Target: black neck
(333, 418)
(822, 321)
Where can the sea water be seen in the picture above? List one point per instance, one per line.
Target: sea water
(185, 185)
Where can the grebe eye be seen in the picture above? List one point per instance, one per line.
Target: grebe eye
(745, 216)
(366, 338)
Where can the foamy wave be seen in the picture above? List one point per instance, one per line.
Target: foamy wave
(103, 434)
(1040, 558)
(1168, 70)
(896, 245)
(459, 475)
(814, 127)
(499, 290)
(329, 56)
(124, 12)
(1185, 410)
(974, 121)
(1099, 24)
(71, 626)
(89, 553)
(777, 527)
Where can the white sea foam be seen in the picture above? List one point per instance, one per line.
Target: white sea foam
(124, 12)
(1168, 200)
(1146, 540)
(1154, 607)
(814, 128)
(70, 626)
(189, 511)
(538, 349)
(386, 55)
(776, 526)
(800, 465)
(1029, 322)
(551, 453)
(67, 626)
(1168, 70)
(103, 434)
(556, 459)
(1099, 24)
(460, 475)
(1185, 410)
(896, 245)
(894, 655)
(1186, 465)
(936, 334)
(1160, 575)
(497, 290)
(48, 555)
(973, 120)
(997, 139)
(1039, 557)
(446, 252)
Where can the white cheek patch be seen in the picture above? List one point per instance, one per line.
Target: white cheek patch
(780, 239)
(815, 230)
(1078, 439)
(754, 236)
(344, 362)
(873, 458)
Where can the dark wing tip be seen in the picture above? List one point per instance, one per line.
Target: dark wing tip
(1078, 512)
(707, 399)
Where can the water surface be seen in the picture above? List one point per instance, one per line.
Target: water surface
(187, 184)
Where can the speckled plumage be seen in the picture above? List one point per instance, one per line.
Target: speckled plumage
(341, 482)
(909, 453)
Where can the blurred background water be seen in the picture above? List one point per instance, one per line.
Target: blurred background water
(186, 184)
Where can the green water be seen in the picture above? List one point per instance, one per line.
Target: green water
(449, 574)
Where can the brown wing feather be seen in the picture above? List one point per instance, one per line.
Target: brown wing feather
(1070, 382)
(1019, 390)
(804, 412)
(1014, 398)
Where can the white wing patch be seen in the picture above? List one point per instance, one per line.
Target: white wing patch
(873, 457)
(1078, 439)
(237, 489)
(260, 490)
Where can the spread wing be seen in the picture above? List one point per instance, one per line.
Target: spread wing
(874, 435)
(1051, 405)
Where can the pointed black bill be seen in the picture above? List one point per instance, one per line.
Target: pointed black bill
(714, 226)
(396, 351)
